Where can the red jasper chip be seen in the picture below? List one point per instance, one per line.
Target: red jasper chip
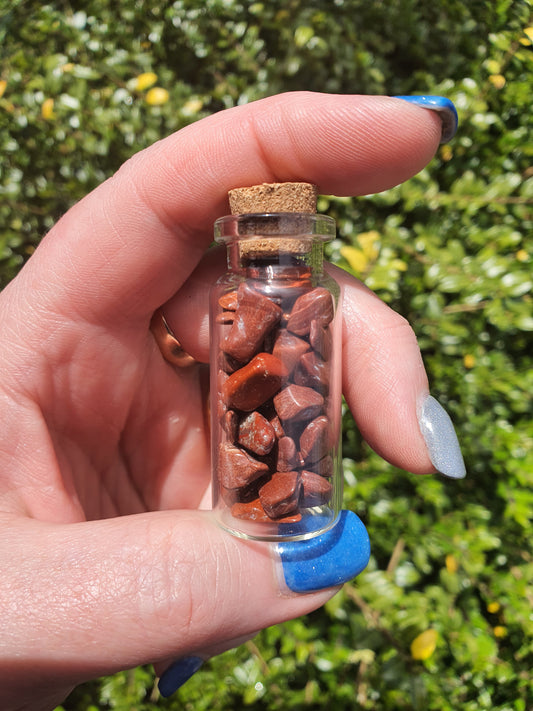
(225, 317)
(231, 496)
(312, 371)
(314, 441)
(254, 511)
(236, 468)
(222, 404)
(256, 434)
(245, 493)
(298, 403)
(321, 340)
(251, 511)
(289, 348)
(276, 424)
(315, 305)
(227, 364)
(280, 495)
(316, 490)
(254, 318)
(249, 387)
(292, 284)
(325, 466)
(230, 423)
(229, 301)
(288, 458)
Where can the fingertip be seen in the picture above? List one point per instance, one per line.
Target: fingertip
(384, 377)
(443, 107)
(368, 143)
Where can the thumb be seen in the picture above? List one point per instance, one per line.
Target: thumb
(117, 593)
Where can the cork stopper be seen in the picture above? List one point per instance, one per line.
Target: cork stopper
(273, 197)
(269, 198)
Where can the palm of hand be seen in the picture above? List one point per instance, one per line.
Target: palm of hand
(119, 431)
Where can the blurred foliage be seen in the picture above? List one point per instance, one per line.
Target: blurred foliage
(84, 85)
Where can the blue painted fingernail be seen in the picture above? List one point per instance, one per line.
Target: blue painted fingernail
(333, 558)
(440, 438)
(177, 674)
(441, 105)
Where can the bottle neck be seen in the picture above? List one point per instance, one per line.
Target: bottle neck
(271, 258)
(275, 245)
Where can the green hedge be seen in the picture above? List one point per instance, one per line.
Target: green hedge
(451, 249)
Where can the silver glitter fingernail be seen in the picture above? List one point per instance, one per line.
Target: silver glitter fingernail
(441, 440)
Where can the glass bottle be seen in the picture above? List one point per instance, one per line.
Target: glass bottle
(276, 378)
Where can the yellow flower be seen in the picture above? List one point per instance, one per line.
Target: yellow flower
(500, 631)
(522, 255)
(157, 96)
(493, 67)
(3, 85)
(469, 361)
(423, 646)
(356, 258)
(192, 106)
(145, 80)
(446, 152)
(359, 257)
(497, 81)
(529, 33)
(368, 240)
(399, 265)
(451, 563)
(493, 607)
(47, 109)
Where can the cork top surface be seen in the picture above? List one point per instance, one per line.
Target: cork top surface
(273, 197)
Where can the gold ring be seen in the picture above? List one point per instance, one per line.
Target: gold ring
(168, 344)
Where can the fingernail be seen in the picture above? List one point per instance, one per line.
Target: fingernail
(177, 674)
(333, 558)
(441, 440)
(441, 105)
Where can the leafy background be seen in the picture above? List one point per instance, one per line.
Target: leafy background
(442, 618)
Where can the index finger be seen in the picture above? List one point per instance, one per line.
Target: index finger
(130, 244)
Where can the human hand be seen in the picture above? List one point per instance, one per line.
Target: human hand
(108, 559)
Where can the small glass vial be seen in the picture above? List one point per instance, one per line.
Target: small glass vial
(276, 375)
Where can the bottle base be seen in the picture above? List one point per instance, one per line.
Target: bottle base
(314, 522)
